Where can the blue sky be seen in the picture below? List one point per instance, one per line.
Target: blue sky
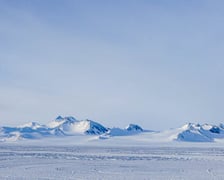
(155, 63)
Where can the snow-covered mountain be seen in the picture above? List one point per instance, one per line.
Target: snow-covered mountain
(131, 129)
(62, 121)
(28, 131)
(134, 128)
(61, 126)
(69, 126)
(198, 133)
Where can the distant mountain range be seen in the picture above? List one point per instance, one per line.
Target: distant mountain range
(69, 126)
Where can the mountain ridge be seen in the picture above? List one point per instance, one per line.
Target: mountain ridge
(70, 126)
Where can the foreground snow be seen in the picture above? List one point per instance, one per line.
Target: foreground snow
(28, 160)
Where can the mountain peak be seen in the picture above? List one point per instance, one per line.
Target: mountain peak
(59, 118)
(133, 127)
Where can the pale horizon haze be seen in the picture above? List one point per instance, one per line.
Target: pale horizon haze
(156, 63)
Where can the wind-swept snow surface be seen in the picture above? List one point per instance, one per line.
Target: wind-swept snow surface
(111, 162)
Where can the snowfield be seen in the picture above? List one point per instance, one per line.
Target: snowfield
(101, 160)
(67, 148)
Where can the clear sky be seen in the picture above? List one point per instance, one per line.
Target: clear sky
(156, 63)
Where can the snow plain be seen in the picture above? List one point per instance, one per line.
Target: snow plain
(86, 157)
(67, 148)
